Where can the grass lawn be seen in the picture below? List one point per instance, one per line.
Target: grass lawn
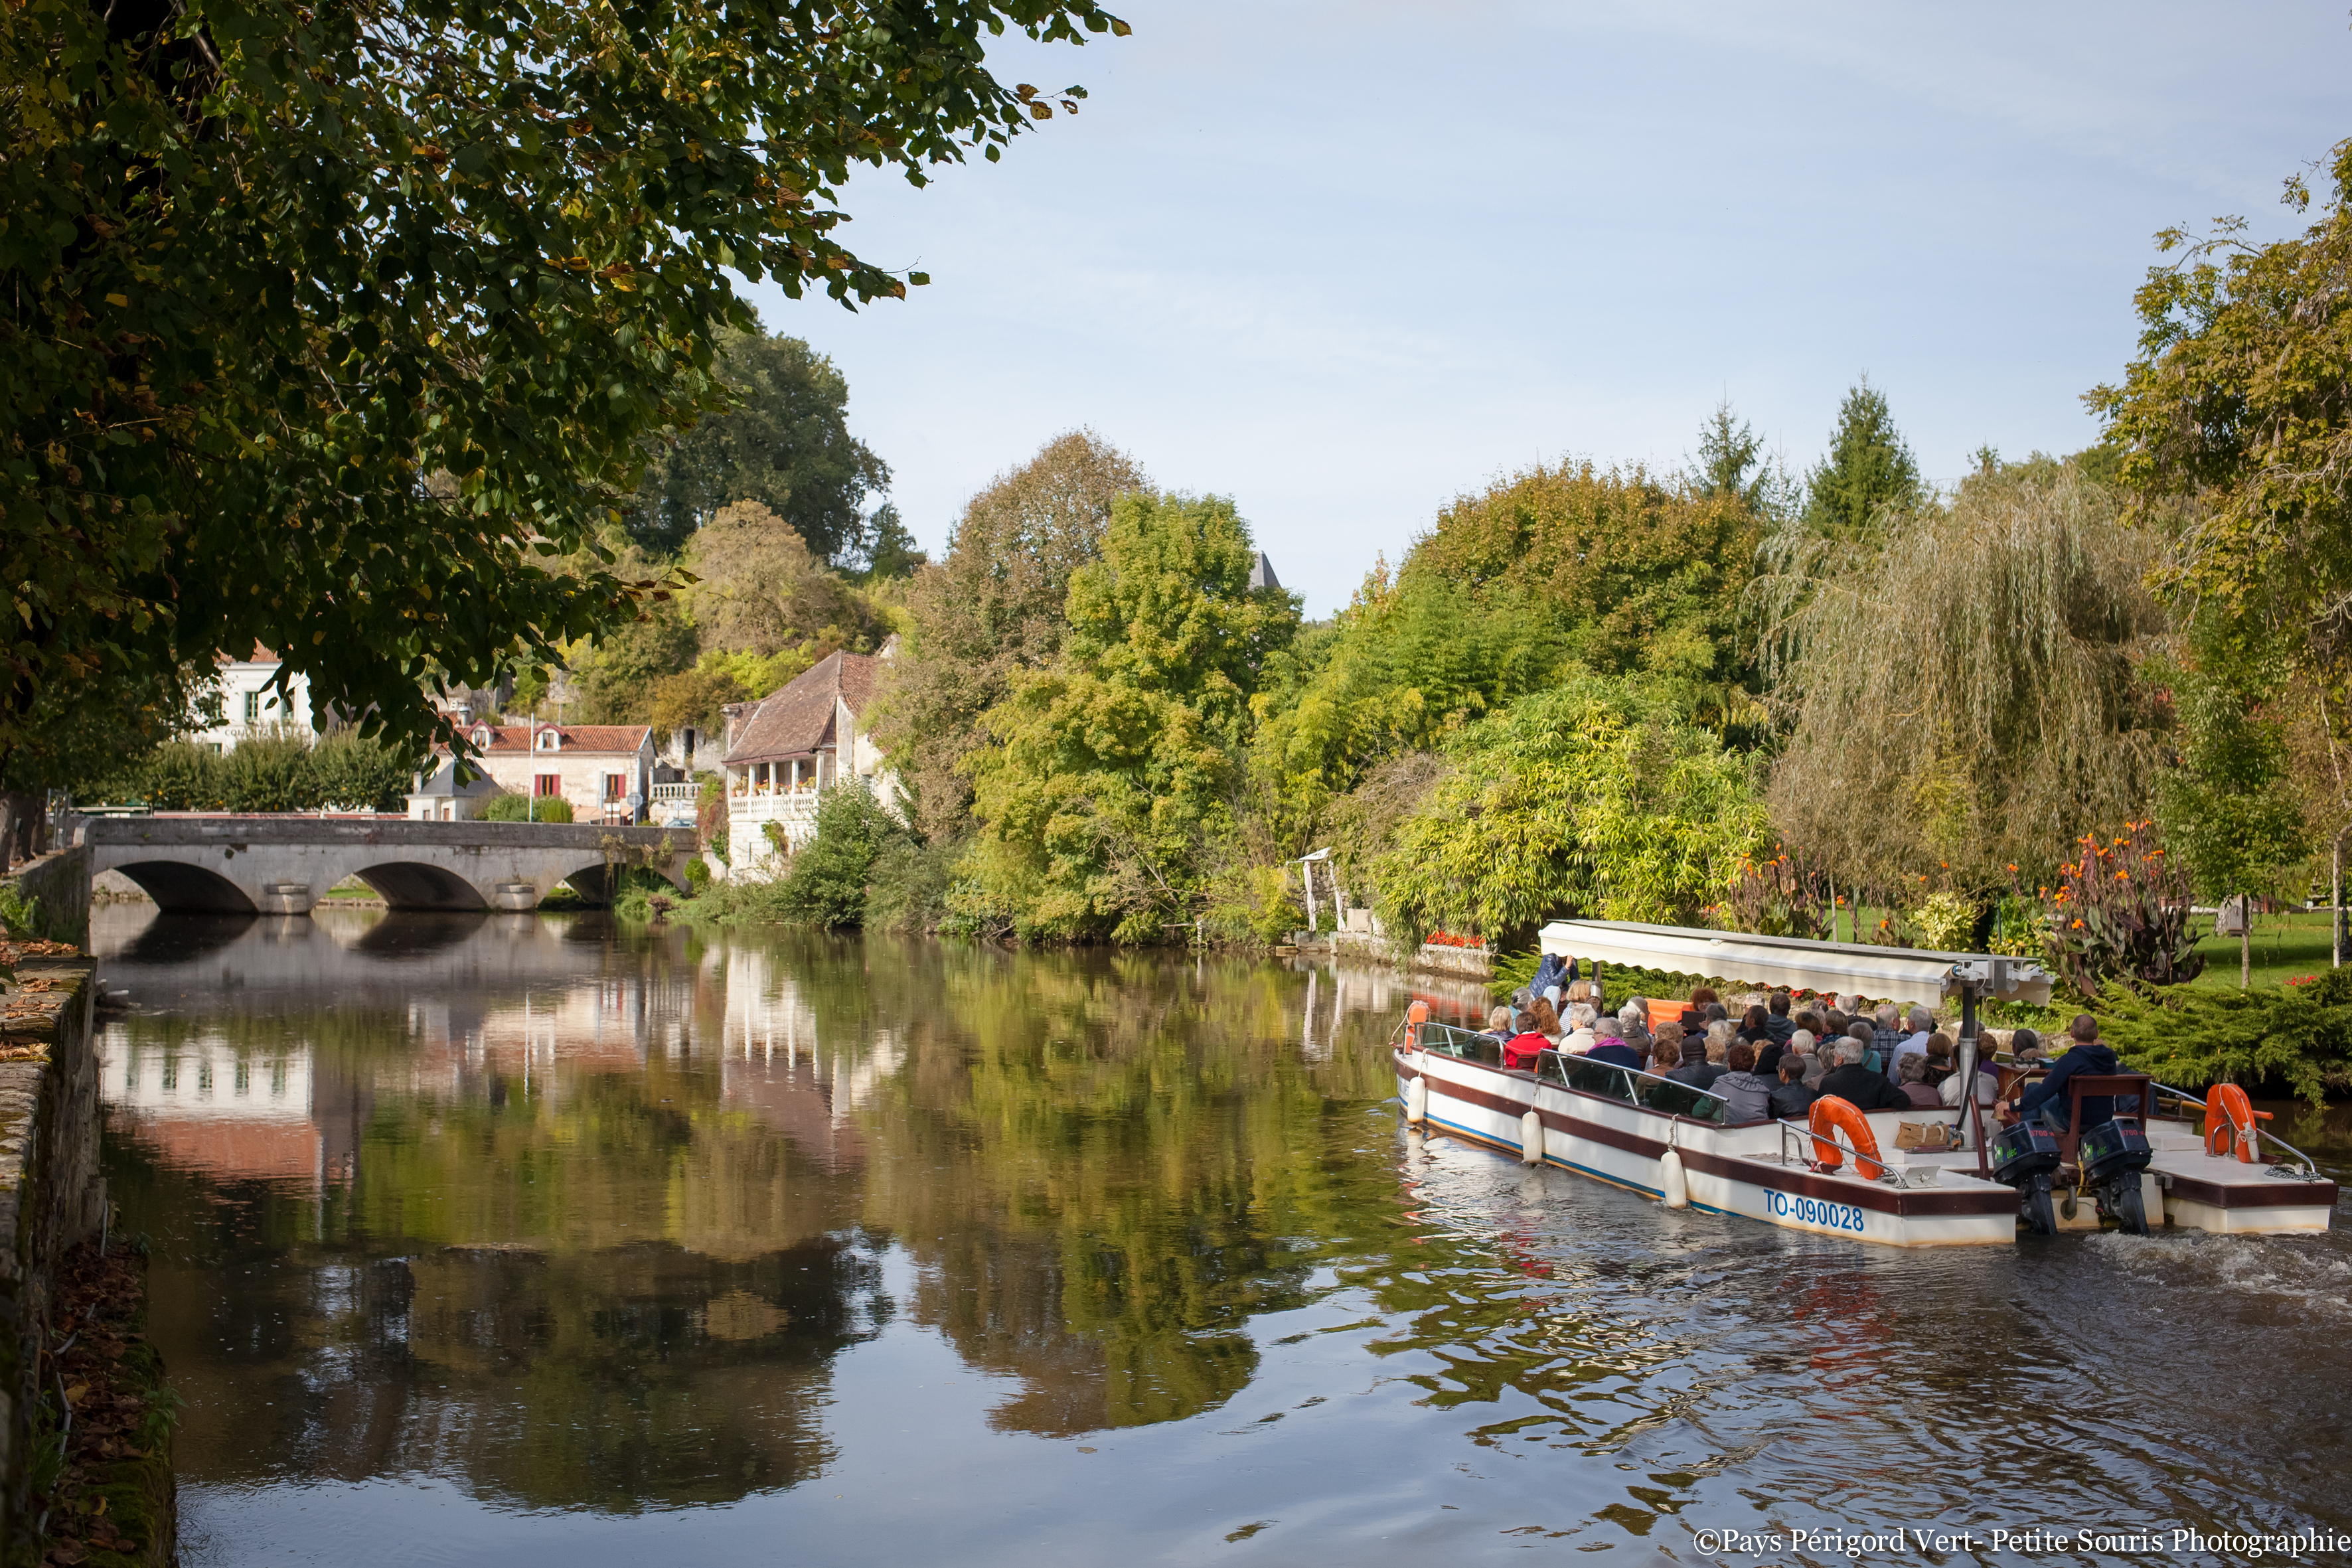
(2284, 947)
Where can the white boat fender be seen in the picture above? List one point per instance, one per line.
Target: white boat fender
(1416, 1101)
(1672, 1186)
(1531, 1139)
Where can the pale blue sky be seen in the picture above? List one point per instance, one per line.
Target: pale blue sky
(1343, 263)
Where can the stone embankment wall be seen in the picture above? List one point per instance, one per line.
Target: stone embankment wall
(57, 885)
(51, 1196)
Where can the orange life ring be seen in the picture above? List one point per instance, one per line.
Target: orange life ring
(1415, 1016)
(2230, 1119)
(1831, 1114)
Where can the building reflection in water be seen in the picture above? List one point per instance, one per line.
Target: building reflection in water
(585, 1216)
(562, 1218)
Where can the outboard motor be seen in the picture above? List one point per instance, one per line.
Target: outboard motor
(2113, 1154)
(2025, 1157)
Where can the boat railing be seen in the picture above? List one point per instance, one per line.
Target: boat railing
(1581, 1073)
(1572, 1071)
(1805, 1136)
(2198, 1100)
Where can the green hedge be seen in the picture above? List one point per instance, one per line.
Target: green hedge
(522, 808)
(268, 773)
(2189, 1036)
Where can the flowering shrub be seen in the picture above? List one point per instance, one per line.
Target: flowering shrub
(2120, 912)
(1778, 897)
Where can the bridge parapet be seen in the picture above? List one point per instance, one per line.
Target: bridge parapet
(284, 865)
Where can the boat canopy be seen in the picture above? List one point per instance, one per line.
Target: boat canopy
(1886, 974)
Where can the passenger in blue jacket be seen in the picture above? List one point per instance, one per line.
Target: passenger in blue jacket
(2048, 1100)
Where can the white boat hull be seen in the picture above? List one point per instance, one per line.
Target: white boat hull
(1725, 1170)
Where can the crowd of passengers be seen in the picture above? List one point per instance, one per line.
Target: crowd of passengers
(1767, 1062)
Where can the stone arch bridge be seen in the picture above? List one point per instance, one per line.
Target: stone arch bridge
(284, 865)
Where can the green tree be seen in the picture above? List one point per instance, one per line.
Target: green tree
(1407, 662)
(1731, 464)
(991, 611)
(1594, 798)
(614, 674)
(2235, 423)
(2229, 809)
(828, 883)
(1635, 574)
(91, 745)
(783, 442)
(1113, 770)
(1966, 695)
(763, 590)
(1867, 472)
(342, 330)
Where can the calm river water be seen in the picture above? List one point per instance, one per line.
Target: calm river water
(512, 1240)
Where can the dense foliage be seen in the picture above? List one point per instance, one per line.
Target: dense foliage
(514, 808)
(2240, 403)
(288, 772)
(992, 610)
(1966, 692)
(785, 443)
(2299, 1035)
(1594, 798)
(344, 329)
(1114, 767)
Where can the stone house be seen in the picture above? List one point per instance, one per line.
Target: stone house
(596, 768)
(783, 752)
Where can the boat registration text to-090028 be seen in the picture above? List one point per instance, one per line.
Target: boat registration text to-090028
(1812, 1211)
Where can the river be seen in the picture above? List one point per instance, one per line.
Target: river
(516, 1240)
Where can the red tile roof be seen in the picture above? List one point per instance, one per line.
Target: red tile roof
(617, 739)
(797, 719)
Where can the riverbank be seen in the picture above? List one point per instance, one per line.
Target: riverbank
(51, 1198)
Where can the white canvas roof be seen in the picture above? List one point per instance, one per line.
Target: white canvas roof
(1882, 974)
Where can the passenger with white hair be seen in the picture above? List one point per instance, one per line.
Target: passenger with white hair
(1636, 1020)
(1857, 1085)
(1915, 1044)
(1579, 1037)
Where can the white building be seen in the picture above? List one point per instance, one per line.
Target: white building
(785, 750)
(250, 704)
(596, 768)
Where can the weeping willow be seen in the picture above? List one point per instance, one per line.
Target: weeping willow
(1963, 699)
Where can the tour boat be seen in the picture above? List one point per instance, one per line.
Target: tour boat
(1844, 1173)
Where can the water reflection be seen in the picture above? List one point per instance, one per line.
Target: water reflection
(597, 1226)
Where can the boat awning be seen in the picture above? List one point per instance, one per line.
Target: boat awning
(1882, 974)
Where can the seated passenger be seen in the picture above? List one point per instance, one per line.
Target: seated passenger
(1914, 1072)
(1636, 1019)
(1756, 1027)
(1777, 1022)
(1939, 1059)
(1922, 1024)
(2089, 1056)
(1856, 1083)
(1702, 995)
(1860, 1030)
(1546, 1020)
(1747, 1095)
(1610, 1046)
(1498, 1024)
(1721, 1035)
(1792, 1099)
(1579, 1022)
(1522, 1048)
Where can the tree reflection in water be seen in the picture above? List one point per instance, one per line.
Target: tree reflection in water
(582, 1217)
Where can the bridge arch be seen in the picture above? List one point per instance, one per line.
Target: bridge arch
(183, 885)
(418, 885)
